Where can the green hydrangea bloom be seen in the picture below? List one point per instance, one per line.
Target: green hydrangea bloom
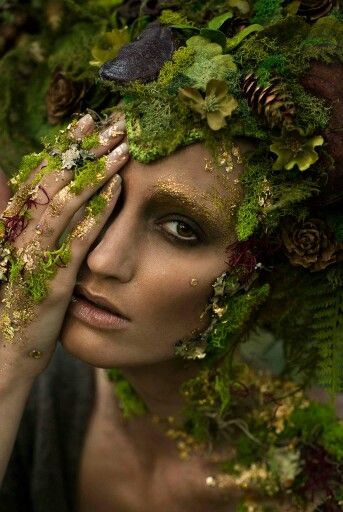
(295, 148)
(209, 62)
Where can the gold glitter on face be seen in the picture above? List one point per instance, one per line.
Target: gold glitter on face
(226, 173)
(197, 204)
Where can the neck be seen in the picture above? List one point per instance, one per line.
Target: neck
(159, 384)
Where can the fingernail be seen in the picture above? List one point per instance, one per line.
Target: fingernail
(122, 149)
(85, 122)
(112, 132)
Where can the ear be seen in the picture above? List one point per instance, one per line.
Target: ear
(5, 191)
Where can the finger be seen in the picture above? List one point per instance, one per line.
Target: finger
(109, 138)
(85, 126)
(66, 203)
(81, 238)
(50, 185)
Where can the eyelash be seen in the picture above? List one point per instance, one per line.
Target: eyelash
(179, 239)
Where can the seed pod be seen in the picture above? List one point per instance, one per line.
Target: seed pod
(271, 102)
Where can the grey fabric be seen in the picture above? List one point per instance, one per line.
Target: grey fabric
(42, 472)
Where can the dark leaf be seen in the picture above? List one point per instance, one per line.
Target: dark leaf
(215, 36)
(143, 58)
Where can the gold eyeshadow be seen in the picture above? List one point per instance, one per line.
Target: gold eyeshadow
(205, 207)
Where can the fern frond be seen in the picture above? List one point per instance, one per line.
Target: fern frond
(326, 303)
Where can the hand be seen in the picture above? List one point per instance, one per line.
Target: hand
(27, 349)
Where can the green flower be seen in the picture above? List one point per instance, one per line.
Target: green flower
(294, 148)
(216, 105)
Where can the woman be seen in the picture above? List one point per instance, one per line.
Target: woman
(152, 251)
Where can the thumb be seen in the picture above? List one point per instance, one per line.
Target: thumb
(5, 191)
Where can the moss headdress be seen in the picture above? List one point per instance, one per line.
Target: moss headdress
(211, 71)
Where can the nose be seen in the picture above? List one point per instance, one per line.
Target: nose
(114, 252)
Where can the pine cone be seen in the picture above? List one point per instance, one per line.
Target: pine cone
(272, 101)
(312, 10)
(311, 244)
(63, 97)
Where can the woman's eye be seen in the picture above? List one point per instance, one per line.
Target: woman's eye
(181, 230)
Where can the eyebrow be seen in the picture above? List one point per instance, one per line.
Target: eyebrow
(194, 202)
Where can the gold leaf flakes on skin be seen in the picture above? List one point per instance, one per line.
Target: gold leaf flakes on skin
(59, 201)
(19, 309)
(83, 228)
(112, 132)
(225, 172)
(111, 188)
(17, 202)
(30, 254)
(35, 354)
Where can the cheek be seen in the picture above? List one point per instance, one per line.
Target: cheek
(173, 301)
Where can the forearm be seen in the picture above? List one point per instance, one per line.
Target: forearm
(13, 398)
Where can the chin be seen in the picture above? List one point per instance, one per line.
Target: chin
(106, 349)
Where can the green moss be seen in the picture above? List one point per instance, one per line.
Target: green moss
(37, 281)
(129, 401)
(266, 11)
(254, 183)
(96, 205)
(274, 64)
(87, 174)
(325, 38)
(61, 140)
(28, 164)
(169, 17)
(53, 164)
(181, 59)
(236, 317)
(157, 124)
(310, 423)
(333, 440)
(312, 113)
(90, 141)
(15, 269)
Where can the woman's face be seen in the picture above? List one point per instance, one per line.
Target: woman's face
(157, 258)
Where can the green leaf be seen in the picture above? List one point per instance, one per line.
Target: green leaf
(218, 21)
(188, 30)
(215, 36)
(235, 41)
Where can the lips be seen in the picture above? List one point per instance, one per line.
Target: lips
(99, 301)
